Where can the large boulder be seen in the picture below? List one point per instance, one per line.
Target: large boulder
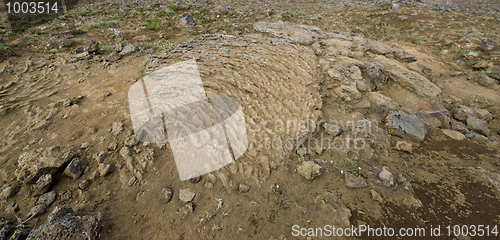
(33, 164)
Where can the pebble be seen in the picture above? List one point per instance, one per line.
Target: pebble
(243, 188)
(168, 194)
(186, 195)
(75, 168)
(9, 192)
(42, 185)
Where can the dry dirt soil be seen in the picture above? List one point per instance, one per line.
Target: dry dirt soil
(65, 78)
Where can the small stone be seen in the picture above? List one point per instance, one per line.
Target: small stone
(168, 194)
(117, 128)
(226, 9)
(354, 182)
(376, 196)
(195, 179)
(395, 6)
(186, 210)
(486, 46)
(302, 151)
(130, 48)
(91, 46)
(186, 195)
(404, 146)
(105, 169)
(187, 20)
(37, 210)
(11, 207)
(131, 141)
(309, 170)
(47, 198)
(85, 184)
(243, 188)
(9, 192)
(85, 145)
(42, 185)
(112, 146)
(481, 64)
(486, 81)
(478, 125)
(75, 168)
(386, 176)
(113, 57)
(118, 47)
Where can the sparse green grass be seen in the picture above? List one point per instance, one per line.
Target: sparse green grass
(175, 8)
(6, 51)
(190, 31)
(102, 22)
(386, 5)
(471, 64)
(463, 52)
(286, 16)
(330, 149)
(164, 45)
(78, 31)
(152, 23)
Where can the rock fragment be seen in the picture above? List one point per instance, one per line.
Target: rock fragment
(309, 170)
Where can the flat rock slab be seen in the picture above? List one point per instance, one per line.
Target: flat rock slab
(405, 126)
(302, 34)
(33, 164)
(453, 134)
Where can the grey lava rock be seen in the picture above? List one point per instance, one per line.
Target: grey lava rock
(19, 234)
(187, 20)
(33, 164)
(9, 192)
(129, 48)
(75, 168)
(5, 231)
(42, 185)
(478, 125)
(63, 224)
(113, 57)
(167, 193)
(47, 198)
(486, 46)
(405, 126)
(386, 176)
(37, 210)
(91, 46)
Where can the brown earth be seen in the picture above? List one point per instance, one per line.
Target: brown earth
(436, 184)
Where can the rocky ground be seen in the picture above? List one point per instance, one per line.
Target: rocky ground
(357, 112)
